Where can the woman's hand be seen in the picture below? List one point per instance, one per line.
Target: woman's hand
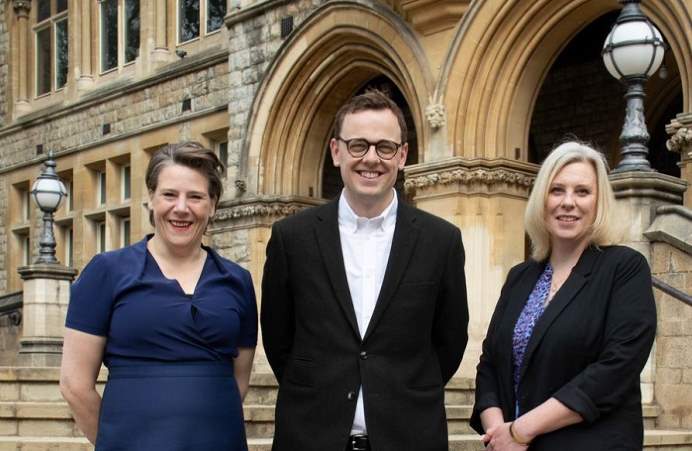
(498, 438)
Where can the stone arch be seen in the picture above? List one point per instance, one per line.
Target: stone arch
(338, 49)
(502, 52)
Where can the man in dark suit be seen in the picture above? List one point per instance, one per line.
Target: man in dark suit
(364, 312)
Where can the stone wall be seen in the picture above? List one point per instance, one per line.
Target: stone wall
(9, 341)
(255, 39)
(673, 381)
(4, 58)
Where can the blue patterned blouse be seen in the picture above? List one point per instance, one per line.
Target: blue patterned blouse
(527, 321)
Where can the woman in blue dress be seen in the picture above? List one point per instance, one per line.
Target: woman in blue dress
(174, 322)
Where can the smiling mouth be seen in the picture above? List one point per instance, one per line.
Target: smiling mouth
(564, 218)
(369, 174)
(180, 225)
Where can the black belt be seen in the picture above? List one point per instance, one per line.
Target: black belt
(358, 442)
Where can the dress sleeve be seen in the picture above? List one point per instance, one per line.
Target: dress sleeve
(247, 337)
(629, 334)
(91, 299)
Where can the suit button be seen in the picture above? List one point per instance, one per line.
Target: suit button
(351, 395)
(363, 355)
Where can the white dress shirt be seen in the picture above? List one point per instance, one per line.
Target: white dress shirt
(365, 245)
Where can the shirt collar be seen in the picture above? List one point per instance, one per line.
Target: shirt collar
(349, 220)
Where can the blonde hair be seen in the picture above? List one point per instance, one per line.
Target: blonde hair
(603, 231)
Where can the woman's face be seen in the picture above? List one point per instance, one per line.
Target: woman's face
(181, 206)
(570, 208)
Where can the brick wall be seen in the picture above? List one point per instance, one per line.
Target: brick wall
(673, 381)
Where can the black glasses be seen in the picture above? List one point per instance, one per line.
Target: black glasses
(358, 147)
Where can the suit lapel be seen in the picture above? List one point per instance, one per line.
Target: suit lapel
(403, 243)
(329, 242)
(562, 299)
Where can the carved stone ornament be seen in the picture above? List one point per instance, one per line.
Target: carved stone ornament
(21, 8)
(435, 114)
(257, 208)
(681, 139)
(468, 176)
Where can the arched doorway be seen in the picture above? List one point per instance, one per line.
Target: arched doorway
(331, 180)
(579, 99)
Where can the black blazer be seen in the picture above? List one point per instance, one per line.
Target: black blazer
(587, 350)
(413, 345)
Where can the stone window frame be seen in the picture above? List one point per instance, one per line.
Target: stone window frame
(203, 21)
(52, 23)
(122, 34)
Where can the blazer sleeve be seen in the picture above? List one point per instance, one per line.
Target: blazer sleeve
(276, 313)
(451, 320)
(629, 333)
(487, 390)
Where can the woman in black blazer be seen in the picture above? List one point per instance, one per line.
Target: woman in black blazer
(574, 325)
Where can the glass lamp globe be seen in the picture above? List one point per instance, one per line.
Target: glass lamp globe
(48, 192)
(633, 48)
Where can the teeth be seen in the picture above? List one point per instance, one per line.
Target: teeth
(180, 223)
(369, 175)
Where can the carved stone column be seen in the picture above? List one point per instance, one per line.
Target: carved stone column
(680, 141)
(84, 37)
(241, 231)
(21, 11)
(161, 53)
(486, 199)
(46, 297)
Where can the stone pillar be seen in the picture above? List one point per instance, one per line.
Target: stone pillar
(84, 39)
(638, 194)
(46, 296)
(21, 10)
(241, 231)
(486, 199)
(161, 52)
(680, 141)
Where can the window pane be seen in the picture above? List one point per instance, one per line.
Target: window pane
(43, 66)
(69, 247)
(131, 30)
(125, 180)
(102, 188)
(216, 9)
(43, 10)
(61, 53)
(26, 250)
(101, 237)
(109, 34)
(125, 232)
(60, 6)
(188, 16)
(223, 155)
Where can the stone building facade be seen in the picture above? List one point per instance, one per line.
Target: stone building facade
(487, 86)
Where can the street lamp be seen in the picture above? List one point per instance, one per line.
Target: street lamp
(632, 52)
(47, 191)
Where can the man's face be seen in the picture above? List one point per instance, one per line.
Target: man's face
(368, 180)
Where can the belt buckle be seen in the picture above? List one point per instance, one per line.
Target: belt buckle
(359, 442)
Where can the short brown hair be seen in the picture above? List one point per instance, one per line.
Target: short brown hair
(373, 99)
(190, 154)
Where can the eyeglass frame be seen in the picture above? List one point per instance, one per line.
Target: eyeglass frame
(371, 144)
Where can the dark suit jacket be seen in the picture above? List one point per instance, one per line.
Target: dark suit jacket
(587, 350)
(413, 345)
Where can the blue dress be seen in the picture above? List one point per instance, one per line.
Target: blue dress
(169, 355)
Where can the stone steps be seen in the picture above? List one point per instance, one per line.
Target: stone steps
(653, 441)
(34, 417)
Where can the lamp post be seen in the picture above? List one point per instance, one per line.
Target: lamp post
(47, 191)
(632, 52)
